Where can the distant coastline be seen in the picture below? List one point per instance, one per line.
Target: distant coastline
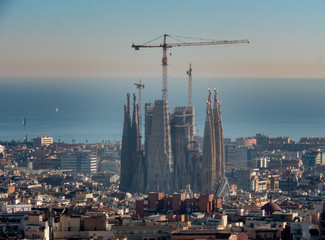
(92, 108)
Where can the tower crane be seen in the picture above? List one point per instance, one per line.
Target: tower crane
(166, 45)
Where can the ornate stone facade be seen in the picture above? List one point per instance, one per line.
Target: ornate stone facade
(159, 156)
(171, 159)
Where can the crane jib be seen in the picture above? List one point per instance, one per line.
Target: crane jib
(189, 44)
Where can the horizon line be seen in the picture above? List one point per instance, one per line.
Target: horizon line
(148, 77)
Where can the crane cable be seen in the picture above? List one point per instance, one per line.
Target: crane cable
(153, 40)
(177, 36)
(201, 39)
(176, 39)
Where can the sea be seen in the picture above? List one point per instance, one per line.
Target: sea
(90, 109)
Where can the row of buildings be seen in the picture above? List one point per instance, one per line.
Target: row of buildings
(43, 204)
(275, 153)
(77, 158)
(282, 201)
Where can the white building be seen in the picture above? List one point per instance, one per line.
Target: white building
(43, 141)
(235, 212)
(259, 162)
(320, 158)
(88, 162)
(17, 208)
(2, 149)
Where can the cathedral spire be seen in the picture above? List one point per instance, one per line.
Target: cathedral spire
(215, 106)
(209, 151)
(215, 96)
(219, 145)
(134, 117)
(135, 125)
(128, 104)
(219, 109)
(210, 100)
(125, 152)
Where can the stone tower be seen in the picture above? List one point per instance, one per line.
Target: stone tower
(131, 154)
(182, 132)
(219, 147)
(135, 147)
(159, 157)
(213, 158)
(136, 135)
(125, 179)
(209, 163)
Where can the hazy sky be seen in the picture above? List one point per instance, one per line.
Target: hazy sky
(93, 38)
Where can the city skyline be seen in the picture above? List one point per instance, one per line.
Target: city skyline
(87, 38)
(236, 152)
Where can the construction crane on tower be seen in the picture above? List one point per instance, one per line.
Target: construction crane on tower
(166, 45)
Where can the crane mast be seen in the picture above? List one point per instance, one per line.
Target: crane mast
(164, 69)
(166, 45)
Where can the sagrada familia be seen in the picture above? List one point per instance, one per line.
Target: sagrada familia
(171, 159)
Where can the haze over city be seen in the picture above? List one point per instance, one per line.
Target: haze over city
(93, 38)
